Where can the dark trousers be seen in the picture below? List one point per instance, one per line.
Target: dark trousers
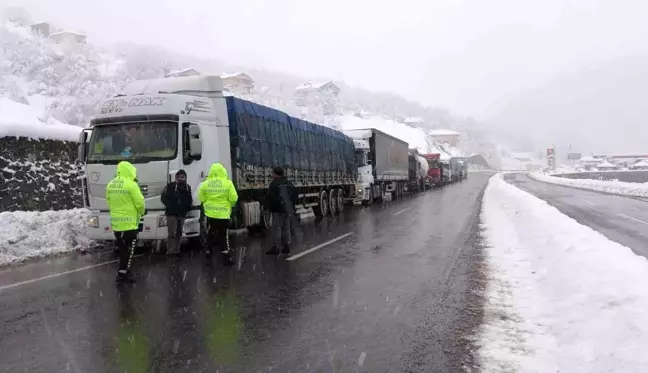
(174, 230)
(281, 229)
(217, 238)
(125, 242)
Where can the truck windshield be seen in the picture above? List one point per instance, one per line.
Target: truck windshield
(137, 142)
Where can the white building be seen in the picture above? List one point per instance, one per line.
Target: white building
(43, 28)
(325, 94)
(238, 82)
(414, 121)
(68, 38)
(445, 136)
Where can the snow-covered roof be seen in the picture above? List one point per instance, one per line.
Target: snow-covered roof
(68, 32)
(234, 75)
(442, 132)
(413, 120)
(310, 85)
(181, 71)
(588, 159)
(17, 119)
(641, 163)
(606, 165)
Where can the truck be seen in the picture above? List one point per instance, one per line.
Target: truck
(434, 169)
(418, 172)
(163, 125)
(383, 165)
(457, 169)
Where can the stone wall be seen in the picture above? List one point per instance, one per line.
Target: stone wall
(38, 175)
(626, 176)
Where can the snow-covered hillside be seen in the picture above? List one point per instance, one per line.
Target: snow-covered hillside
(66, 85)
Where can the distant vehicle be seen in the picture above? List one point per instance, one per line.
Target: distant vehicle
(418, 170)
(383, 164)
(434, 169)
(163, 125)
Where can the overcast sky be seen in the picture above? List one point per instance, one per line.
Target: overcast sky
(467, 55)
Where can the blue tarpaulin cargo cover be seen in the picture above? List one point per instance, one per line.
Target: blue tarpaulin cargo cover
(265, 137)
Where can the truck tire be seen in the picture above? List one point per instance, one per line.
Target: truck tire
(332, 201)
(340, 200)
(322, 204)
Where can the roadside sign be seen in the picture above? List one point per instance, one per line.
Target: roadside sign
(574, 156)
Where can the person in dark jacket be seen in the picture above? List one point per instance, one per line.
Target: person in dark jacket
(282, 198)
(177, 201)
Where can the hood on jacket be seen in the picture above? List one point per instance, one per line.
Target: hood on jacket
(127, 170)
(217, 171)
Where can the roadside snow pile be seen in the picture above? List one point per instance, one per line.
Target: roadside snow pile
(561, 297)
(18, 119)
(608, 186)
(25, 235)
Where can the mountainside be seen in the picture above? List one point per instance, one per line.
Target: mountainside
(599, 110)
(67, 84)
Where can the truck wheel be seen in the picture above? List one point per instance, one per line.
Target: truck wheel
(332, 201)
(322, 205)
(266, 220)
(340, 200)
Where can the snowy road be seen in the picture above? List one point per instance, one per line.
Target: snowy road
(386, 289)
(621, 219)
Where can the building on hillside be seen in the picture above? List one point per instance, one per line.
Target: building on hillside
(325, 94)
(607, 166)
(43, 29)
(68, 38)
(238, 82)
(413, 122)
(182, 72)
(478, 161)
(445, 136)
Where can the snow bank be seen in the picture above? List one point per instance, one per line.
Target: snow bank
(561, 297)
(18, 119)
(25, 234)
(609, 186)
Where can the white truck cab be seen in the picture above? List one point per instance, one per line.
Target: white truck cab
(159, 126)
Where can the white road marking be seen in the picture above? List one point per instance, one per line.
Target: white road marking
(319, 246)
(402, 211)
(54, 275)
(633, 218)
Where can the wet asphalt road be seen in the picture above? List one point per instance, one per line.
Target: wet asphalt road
(621, 219)
(396, 295)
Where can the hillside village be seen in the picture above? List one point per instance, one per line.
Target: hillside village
(67, 76)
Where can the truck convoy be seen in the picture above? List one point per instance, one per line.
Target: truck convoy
(163, 125)
(383, 162)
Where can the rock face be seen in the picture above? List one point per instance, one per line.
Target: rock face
(38, 175)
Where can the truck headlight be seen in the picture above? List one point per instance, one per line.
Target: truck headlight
(162, 221)
(93, 221)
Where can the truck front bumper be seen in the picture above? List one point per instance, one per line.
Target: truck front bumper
(153, 227)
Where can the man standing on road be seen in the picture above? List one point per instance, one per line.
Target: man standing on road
(282, 198)
(217, 196)
(126, 204)
(177, 201)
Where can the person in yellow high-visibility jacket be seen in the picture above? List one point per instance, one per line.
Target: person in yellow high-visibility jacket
(217, 196)
(126, 204)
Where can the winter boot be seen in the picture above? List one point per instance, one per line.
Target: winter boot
(125, 277)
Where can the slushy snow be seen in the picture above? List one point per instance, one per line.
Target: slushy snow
(608, 186)
(18, 119)
(560, 296)
(26, 234)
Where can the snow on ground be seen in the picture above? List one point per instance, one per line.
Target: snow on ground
(415, 137)
(18, 119)
(561, 297)
(26, 234)
(609, 186)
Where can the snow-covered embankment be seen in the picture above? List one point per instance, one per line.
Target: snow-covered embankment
(560, 297)
(607, 186)
(29, 234)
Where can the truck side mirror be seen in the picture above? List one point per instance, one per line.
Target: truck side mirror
(195, 142)
(82, 149)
